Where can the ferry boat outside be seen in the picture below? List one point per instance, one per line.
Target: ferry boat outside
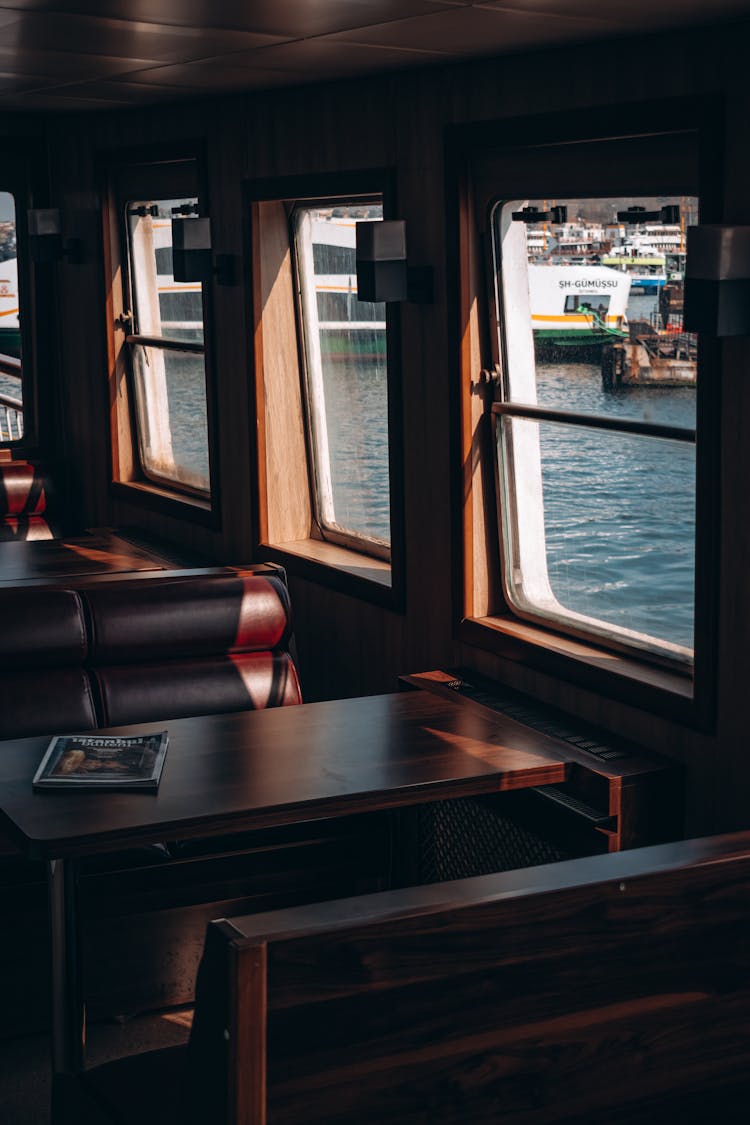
(578, 306)
(645, 265)
(347, 327)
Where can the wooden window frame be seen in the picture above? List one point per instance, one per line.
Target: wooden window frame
(482, 618)
(25, 179)
(166, 174)
(286, 530)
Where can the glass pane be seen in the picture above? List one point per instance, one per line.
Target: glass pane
(162, 306)
(346, 367)
(170, 396)
(600, 531)
(578, 387)
(593, 306)
(170, 386)
(11, 385)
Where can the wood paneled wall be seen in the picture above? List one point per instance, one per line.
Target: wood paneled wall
(348, 646)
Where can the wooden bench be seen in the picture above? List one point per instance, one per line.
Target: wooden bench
(608, 989)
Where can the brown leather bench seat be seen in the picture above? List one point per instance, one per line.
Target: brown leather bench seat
(137, 649)
(44, 684)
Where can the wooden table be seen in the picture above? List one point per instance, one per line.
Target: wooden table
(228, 773)
(42, 560)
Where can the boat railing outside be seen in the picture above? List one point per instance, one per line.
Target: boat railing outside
(11, 408)
(11, 418)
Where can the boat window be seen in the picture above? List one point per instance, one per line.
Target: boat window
(11, 384)
(595, 433)
(346, 377)
(586, 303)
(167, 351)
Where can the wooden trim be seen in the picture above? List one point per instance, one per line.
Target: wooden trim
(146, 494)
(292, 922)
(121, 422)
(284, 490)
(248, 990)
(472, 392)
(359, 576)
(631, 681)
(643, 794)
(257, 398)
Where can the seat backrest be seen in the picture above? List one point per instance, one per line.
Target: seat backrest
(44, 684)
(611, 988)
(23, 502)
(127, 651)
(190, 645)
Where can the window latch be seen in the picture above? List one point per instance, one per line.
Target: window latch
(534, 215)
(125, 322)
(669, 214)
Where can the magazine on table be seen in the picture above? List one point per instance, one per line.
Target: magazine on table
(101, 761)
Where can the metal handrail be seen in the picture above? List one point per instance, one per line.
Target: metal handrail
(11, 408)
(594, 421)
(10, 365)
(194, 347)
(11, 418)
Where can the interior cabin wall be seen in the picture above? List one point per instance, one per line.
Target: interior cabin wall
(348, 645)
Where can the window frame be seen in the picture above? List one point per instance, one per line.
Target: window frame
(329, 531)
(13, 366)
(509, 406)
(286, 531)
(483, 618)
(137, 339)
(135, 176)
(25, 179)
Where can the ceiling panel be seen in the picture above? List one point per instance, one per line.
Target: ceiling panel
(15, 83)
(634, 14)
(461, 31)
(58, 100)
(206, 75)
(63, 64)
(96, 36)
(99, 53)
(292, 19)
(334, 56)
(118, 91)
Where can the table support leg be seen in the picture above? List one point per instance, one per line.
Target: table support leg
(68, 1008)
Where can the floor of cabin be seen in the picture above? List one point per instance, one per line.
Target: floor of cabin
(25, 1062)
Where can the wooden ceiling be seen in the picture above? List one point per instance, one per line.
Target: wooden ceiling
(103, 54)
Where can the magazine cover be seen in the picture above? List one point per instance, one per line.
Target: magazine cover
(92, 761)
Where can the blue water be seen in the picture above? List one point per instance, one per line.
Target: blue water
(10, 385)
(356, 395)
(620, 509)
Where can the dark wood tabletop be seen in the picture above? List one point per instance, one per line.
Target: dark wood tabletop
(291, 764)
(40, 560)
